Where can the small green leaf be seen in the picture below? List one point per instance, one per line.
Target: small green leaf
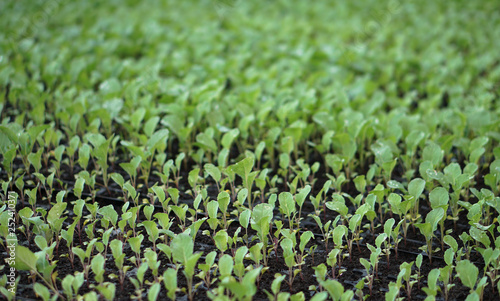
(467, 272)
(25, 259)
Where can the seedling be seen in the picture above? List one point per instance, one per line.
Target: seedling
(262, 215)
(244, 170)
(427, 229)
(182, 252)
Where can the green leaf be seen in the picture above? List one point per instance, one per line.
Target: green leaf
(154, 291)
(157, 139)
(170, 282)
(109, 213)
(182, 247)
(416, 187)
(287, 204)
(244, 167)
(213, 171)
(25, 259)
(42, 291)
(225, 266)
(221, 239)
(301, 196)
(223, 200)
(97, 265)
(439, 197)
(228, 138)
(434, 217)
(467, 272)
(304, 239)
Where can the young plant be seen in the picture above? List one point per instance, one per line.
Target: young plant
(325, 230)
(275, 293)
(244, 170)
(100, 154)
(439, 198)
(468, 274)
(131, 169)
(262, 216)
(71, 284)
(170, 282)
(38, 265)
(182, 252)
(138, 282)
(119, 258)
(427, 229)
(405, 272)
(287, 206)
(289, 256)
(136, 245)
(205, 273)
(223, 199)
(432, 286)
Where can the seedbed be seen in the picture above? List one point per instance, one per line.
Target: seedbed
(230, 150)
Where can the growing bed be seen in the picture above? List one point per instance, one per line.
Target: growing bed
(230, 150)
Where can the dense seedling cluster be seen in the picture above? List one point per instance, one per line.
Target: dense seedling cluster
(220, 150)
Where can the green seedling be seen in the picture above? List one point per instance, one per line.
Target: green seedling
(336, 290)
(300, 199)
(180, 212)
(68, 235)
(221, 240)
(262, 216)
(132, 168)
(153, 232)
(136, 245)
(223, 199)
(333, 259)
(244, 219)
(153, 263)
(71, 284)
(445, 275)
(100, 154)
(384, 158)
(468, 274)
(432, 286)
(170, 282)
(225, 265)
(244, 170)
(212, 208)
(491, 265)
(289, 256)
(389, 224)
(182, 252)
(239, 267)
(119, 258)
(97, 266)
(55, 219)
(405, 273)
(427, 229)
(418, 264)
(205, 273)
(304, 240)
(439, 198)
(415, 189)
(37, 265)
(138, 282)
(245, 289)
(214, 172)
(261, 183)
(275, 293)
(325, 229)
(287, 206)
